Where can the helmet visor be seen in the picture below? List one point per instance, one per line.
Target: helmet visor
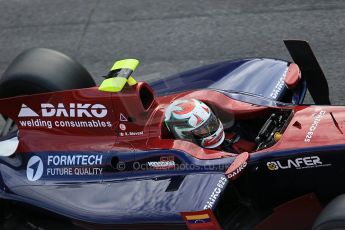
(208, 128)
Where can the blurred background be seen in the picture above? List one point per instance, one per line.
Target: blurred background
(169, 36)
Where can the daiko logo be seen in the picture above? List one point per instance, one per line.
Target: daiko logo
(34, 169)
(61, 110)
(25, 111)
(80, 116)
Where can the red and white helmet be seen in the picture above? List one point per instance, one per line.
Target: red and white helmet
(193, 120)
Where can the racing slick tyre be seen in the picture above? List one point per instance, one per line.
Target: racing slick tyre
(36, 70)
(332, 216)
(39, 70)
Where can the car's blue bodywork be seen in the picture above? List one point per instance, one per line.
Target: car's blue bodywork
(255, 77)
(151, 196)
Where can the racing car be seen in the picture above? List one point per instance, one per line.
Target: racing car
(74, 155)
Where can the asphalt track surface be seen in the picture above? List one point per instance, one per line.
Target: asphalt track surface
(170, 36)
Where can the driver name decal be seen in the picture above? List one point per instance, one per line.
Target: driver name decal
(139, 133)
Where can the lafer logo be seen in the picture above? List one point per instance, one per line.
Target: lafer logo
(297, 163)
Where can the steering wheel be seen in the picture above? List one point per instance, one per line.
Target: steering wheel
(266, 134)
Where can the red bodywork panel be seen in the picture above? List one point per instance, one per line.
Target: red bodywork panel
(313, 126)
(88, 119)
(299, 213)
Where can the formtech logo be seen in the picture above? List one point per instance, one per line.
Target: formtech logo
(34, 169)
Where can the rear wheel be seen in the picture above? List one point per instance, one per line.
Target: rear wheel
(16, 216)
(40, 70)
(332, 216)
(35, 71)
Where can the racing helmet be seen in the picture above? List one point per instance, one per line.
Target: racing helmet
(193, 120)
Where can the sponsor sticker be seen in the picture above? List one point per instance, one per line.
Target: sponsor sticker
(61, 110)
(279, 86)
(237, 171)
(297, 163)
(167, 162)
(317, 117)
(237, 166)
(215, 193)
(25, 111)
(64, 165)
(80, 116)
(34, 169)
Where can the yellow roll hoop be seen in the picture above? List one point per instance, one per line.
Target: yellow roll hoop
(119, 74)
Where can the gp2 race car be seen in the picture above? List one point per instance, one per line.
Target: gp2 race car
(77, 156)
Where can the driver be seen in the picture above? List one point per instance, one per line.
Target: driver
(193, 120)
